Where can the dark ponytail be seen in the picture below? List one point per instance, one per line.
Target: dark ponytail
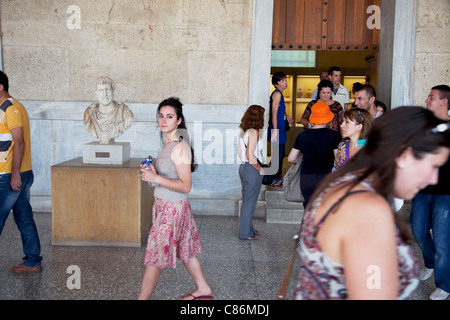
(176, 104)
(389, 136)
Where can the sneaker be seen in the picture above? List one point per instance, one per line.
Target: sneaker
(22, 268)
(439, 294)
(425, 273)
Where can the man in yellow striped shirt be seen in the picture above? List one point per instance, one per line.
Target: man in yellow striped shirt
(16, 176)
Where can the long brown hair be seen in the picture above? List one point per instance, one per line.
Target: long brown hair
(176, 104)
(360, 116)
(389, 137)
(253, 118)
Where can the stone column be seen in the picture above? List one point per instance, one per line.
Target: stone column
(404, 53)
(260, 62)
(397, 48)
(261, 53)
(1, 47)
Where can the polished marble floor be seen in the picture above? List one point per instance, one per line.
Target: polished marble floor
(235, 269)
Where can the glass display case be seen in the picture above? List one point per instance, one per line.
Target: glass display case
(350, 80)
(306, 85)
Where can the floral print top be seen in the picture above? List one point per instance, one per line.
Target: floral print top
(321, 278)
(342, 154)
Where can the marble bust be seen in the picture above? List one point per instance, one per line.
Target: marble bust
(107, 119)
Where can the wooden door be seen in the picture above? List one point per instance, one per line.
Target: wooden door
(340, 25)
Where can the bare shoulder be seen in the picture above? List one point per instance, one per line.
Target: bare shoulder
(181, 147)
(366, 240)
(366, 203)
(181, 153)
(252, 133)
(276, 94)
(365, 212)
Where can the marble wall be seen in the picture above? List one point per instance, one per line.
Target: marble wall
(58, 135)
(213, 54)
(432, 51)
(199, 51)
(414, 50)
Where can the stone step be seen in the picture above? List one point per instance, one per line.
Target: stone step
(260, 211)
(284, 212)
(262, 194)
(277, 211)
(280, 210)
(274, 195)
(272, 207)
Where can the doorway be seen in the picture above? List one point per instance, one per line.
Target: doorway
(356, 66)
(394, 57)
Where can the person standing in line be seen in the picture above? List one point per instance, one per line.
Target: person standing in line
(430, 211)
(351, 244)
(250, 150)
(381, 107)
(340, 93)
(365, 98)
(355, 87)
(317, 145)
(16, 176)
(325, 88)
(355, 127)
(174, 233)
(277, 123)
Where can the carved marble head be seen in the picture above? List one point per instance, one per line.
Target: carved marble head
(104, 90)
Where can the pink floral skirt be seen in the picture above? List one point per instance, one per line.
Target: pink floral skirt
(173, 234)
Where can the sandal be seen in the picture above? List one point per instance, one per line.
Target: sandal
(277, 185)
(254, 237)
(190, 296)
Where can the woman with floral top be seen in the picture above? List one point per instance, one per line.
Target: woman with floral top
(351, 244)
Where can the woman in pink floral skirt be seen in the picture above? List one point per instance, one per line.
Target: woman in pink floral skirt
(174, 233)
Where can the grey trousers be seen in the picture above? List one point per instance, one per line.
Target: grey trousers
(251, 182)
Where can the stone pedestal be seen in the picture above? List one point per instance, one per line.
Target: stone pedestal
(101, 205)
(96, 153)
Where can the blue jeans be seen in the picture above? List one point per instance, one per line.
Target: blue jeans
(19, 202)
(432, 212)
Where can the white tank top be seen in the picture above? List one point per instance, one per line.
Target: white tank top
(259, 150)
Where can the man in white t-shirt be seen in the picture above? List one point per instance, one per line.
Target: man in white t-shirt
(340, 93)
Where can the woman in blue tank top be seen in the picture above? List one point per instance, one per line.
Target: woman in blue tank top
(277, 122)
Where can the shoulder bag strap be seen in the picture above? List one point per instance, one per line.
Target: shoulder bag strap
(282, 292)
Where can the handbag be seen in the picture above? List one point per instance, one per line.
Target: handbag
(267, 180)
(291, 183)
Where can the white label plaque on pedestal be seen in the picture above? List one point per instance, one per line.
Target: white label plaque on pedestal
(96, 153)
